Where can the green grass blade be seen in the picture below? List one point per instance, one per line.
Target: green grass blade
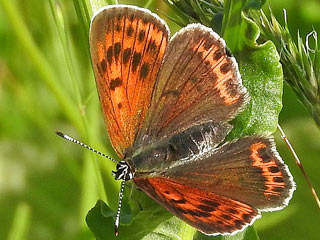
(40, 63)
(21, 222)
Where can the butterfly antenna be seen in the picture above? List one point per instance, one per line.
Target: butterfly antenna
(116, 224)
(83, 145)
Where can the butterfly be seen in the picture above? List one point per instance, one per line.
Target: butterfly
(166, 104)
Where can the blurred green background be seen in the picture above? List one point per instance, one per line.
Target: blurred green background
(46, 83)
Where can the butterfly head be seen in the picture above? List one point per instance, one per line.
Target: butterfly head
(123, 171)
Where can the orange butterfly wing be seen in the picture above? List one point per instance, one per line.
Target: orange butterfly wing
(127, 48)
(198, 82)
(248, 169)
(208, 212)
(218, 190)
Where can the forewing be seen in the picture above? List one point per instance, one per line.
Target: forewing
(198, 82)
(127, 46)
(248, 170)
(210, 213)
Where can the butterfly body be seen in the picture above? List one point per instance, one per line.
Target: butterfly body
(167, 104)
(168, 153)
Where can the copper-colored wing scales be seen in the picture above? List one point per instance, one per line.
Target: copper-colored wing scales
(218, 189)
(127, 48)
(248, 170)
(208, 212)
(175, 101)
(198, 82)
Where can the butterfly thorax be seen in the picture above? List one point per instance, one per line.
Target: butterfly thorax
(151, 159)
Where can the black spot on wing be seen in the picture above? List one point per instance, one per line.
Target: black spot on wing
(114, 83)
(199, 213)
(126, 55)
(206, 208)
(211, 203)
(246, 217)
(274, 169)
(225, 216)
(226, 67)
(136, 61)
(141, 35)
(118, 28)
(130, 31)
(208, 44)
(103, 65)
(117, 49)
(278, 179)
(232, 88)
(233, 211)
(144, 70)
(264, 154)
(110, 54)
(238, 223)
(152, 46)
(217, 54)
(278, 189)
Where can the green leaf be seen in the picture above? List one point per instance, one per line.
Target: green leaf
(148, 221)
(248, 234)
(254, 4)
(153, 222)
(260, 69)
